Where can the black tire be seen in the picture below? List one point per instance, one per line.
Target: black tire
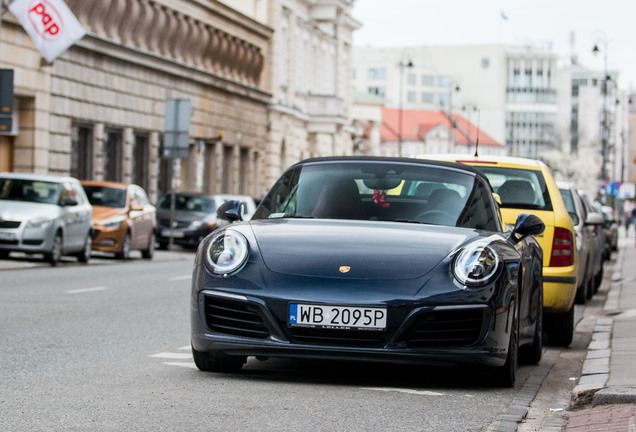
(590, 289)
(85, 255)
(581, 294)
(531, 354)
(217, 362)
(149, 252)
(4, 254)
(55, 254)
(124, 254)
(561, 328)
(163, 245)
(598, 278)
(506, 375)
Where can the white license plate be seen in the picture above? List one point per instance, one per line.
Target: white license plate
(8, 236)
(337, 317)
(175, 233)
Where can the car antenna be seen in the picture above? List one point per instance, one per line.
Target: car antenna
(477, 140)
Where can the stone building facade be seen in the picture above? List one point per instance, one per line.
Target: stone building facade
(310, 78)
(97, 112)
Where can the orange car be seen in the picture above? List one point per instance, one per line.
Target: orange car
(123, 218)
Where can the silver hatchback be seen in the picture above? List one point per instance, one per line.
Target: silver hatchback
(44, 214)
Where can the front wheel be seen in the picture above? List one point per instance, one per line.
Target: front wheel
(55, 254)
(506, 375)
(531, 354)
(124, 254)
(217, 362)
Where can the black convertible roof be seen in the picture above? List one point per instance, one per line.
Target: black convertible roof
(403, 160)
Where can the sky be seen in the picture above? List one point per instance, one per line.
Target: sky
(607, 23)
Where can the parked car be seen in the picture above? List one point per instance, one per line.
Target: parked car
(44, 214)
(194, 216)
(586, 226)
(123, 218)
(611, 230)
(601, 243)
(344, 259)
(527, 185)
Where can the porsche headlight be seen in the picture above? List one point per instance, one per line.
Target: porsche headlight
(227, 252)
(476, 265)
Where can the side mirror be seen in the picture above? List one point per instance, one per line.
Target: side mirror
(68, 202)
(594, 219)
(526, 225)
(230, 211)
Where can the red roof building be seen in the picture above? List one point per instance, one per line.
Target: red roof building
(432, 132)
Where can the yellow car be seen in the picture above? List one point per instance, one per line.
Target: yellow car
(526, 185)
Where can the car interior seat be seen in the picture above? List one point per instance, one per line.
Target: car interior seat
(517, 191)
(339, 199)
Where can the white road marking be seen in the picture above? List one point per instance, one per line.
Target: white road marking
(180, 278)
(408, 391)
(85, 290)
(185, 348)
(175, 356)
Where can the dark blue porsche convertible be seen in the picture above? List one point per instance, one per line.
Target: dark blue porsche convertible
(375, 259)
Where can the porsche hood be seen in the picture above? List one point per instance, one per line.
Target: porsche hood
(369, 250)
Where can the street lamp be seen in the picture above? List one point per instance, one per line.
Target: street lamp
(468, 109)
(452, 86)
(604, 90)
(405, 61)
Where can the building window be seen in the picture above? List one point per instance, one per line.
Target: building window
(244, 171)
(443, 81)
(113, 155)
(82, 151)
(228, 165)
(141, 160)
(379, 91)
(410, 96)
(427, 80)
(411, 79)
(443, 99)
(426, 97)
(376, 73)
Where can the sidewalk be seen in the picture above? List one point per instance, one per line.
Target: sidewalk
(606, 390)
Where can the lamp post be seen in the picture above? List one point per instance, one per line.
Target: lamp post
(604, 90)
(452, 86)
(405, 61)
(468, 109)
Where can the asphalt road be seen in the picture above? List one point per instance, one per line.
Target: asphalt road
(105, 347)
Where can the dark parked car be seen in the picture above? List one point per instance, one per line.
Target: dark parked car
(376, 259)
(194, 217)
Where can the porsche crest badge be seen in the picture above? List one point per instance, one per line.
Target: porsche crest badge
(344, 269)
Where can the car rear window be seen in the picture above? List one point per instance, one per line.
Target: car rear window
(519, 188)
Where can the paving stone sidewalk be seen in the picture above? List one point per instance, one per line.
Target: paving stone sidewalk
(605, 396)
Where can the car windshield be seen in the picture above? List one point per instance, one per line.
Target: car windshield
(106, 196)
(519, 188)
(397, 192)
(188, 203)
(36, 191)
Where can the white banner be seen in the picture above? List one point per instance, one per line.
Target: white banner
(50, 23)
